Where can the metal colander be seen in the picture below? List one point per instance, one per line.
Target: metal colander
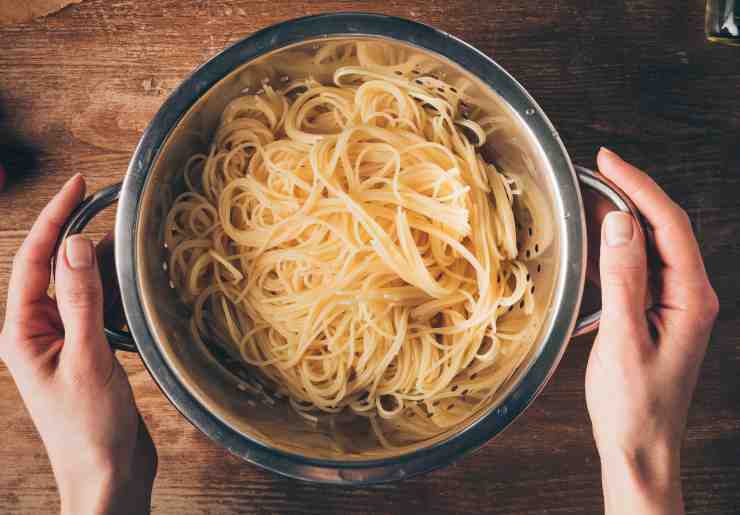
(228, 401)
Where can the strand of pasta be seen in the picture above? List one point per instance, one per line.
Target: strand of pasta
(350, 242)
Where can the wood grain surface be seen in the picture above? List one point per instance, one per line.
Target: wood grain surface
(78, 87)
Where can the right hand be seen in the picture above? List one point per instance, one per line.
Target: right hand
(75, 390)
(644, 363)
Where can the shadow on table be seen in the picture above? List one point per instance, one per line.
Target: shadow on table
(18, 156)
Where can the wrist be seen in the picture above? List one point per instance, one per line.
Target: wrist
(117, 479)
(106, 491)
(642, 480)
(86, 494)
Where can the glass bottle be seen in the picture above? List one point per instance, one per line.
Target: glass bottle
(722, 22)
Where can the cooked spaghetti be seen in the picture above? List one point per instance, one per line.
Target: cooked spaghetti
(350, 242)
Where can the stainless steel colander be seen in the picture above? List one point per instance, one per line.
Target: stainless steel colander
(228, 402)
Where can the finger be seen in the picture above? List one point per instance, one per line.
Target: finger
(623, 270)
(686, 289)
(80, 299)
(674, 239)
(597, 207)
(29, 280)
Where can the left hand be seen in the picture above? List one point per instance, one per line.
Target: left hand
(644, 363)
(77, 393)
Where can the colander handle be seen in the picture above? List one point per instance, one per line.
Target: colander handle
(616, 196)
(86, 211)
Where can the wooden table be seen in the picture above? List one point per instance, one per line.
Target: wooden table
(78, 87)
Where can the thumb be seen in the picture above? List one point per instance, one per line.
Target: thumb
(80, 300)
(623, 271)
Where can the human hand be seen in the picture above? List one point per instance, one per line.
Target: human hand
(75, 390)
(644, 363)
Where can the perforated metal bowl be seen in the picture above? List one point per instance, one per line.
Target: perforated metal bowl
(227, 404)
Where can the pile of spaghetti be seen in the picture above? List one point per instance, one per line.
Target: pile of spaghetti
(350, 242)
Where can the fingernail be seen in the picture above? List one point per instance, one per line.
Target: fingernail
(79, 252)
(608, 152)
(618, 229)
(72, 179)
